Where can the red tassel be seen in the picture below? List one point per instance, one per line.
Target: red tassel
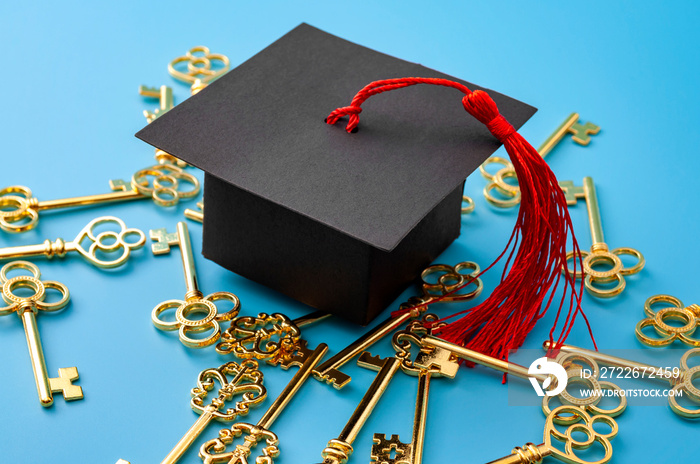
(536, 249)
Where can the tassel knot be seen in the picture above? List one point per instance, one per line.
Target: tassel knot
(480, 105)
(351, 110)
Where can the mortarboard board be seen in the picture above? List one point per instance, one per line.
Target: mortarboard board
(340, 223)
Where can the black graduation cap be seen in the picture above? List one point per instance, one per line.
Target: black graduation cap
(342, 222)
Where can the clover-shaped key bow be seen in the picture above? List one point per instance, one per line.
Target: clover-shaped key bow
(677, 311)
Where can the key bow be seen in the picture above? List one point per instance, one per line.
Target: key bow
(214, 451)
(448, 279)
(34, 302)
(108, 242)
(200, 71)
(162, 183)
(17, 209)
(265, 336)
(196, 304)
(234, 379)
(688, 315)
(582, 424)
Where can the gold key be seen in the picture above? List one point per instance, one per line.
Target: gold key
(571, 438)
(680, 379)
(447, 280)
(411, 453)
(689, 316)
(94, 247)
(195, 215)
(272, 337)
(19, 209)
(437, 352)
(247, 381)
(599, 254)
(580, 134)
(199, 72)
(339, 449)
(195, 301)
(214, 451)
(27, 308)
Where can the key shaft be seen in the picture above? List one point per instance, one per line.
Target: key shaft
(188, 265)
(113, 197)
(304, 372)
(558, 134)
(186, 441)
(420, 417)
(195, 215)
(36, 354)
(338, 450)
(482, 359)
(525, 455)
(49, 249)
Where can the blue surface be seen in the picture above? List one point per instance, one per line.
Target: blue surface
(71, 107)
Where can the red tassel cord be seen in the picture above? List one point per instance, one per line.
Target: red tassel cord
(536, 251)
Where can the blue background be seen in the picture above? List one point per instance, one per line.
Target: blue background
(70, 108)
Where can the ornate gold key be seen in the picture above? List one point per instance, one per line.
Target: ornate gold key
(681, 379)
(199, 72)
(437, 352)
(448, 279)
(339, 449)
(599, 254)
(580, 134)
(195, 301)
(214, 451)
(19, 209)
(247, 381)
(116, 245)
(27, 308)
(272, 337)
(688, 315)
(195, 215)
(583, 424)
(411, 453)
